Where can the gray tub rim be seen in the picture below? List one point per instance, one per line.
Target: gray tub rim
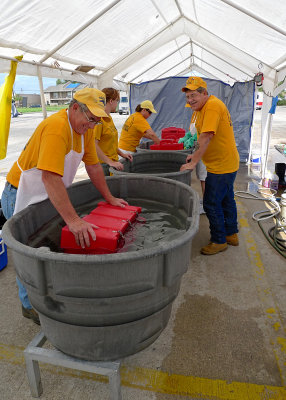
(163, 174)
(45, 254)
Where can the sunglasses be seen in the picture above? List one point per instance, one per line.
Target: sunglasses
(150, 112)
(91, 120)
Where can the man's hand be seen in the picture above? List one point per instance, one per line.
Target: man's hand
(117, 165)
(81, 230)
(115, 201)
(128, 157)
(185, 167)
(189, 157)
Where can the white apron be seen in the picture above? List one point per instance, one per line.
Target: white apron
(31, 189)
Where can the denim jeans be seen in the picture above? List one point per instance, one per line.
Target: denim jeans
(8, 201)
(220, 206)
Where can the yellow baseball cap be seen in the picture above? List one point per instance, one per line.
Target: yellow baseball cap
(193, 83)
(95, 101)
(148, 105)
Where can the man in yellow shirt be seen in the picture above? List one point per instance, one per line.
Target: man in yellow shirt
(217, 149)
(136, 127)
(48, 164)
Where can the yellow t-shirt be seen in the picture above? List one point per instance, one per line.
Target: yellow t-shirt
(48, 146)
(132, 131)
(221, 156)
(107, 135)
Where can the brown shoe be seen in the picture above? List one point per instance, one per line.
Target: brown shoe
(31, 314)
(232, 240)
(213, 248)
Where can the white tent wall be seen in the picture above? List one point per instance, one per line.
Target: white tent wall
(169, 102)
(130, 41)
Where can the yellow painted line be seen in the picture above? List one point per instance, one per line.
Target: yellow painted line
(161, 382)
(277, 333)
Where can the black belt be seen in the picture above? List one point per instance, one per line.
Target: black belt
(12, 186)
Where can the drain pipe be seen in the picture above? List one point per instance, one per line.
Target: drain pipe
(43, 102)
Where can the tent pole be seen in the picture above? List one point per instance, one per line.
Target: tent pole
(42, 92)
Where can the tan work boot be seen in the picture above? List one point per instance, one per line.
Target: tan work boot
(232, 240)
(213, 248)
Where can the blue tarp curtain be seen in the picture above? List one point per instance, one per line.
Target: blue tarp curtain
(169, 102)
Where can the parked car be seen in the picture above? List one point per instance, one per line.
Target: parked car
(123, 107)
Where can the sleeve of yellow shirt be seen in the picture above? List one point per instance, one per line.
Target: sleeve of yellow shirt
(98, 129)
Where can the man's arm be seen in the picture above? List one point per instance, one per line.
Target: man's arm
(150, 134)
(97, 177)
(203, 142)
(59, 197)
(107, 160)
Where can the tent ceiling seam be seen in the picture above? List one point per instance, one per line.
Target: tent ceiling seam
(227, 62)
(216, 68)
(173, 66)
(230, 44)
(259, 19)
(140, 46)
(79, 30)
(158, 62)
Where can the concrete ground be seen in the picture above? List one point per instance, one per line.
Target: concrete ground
(225, 340)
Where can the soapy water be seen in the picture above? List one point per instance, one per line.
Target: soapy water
(156, 223)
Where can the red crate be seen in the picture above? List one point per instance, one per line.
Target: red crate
(173, 146)
(108, 222)
(177, 132)
(107, 241)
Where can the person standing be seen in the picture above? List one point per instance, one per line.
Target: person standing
(106, 136)
(48, 164)
(216, 147)
(136, 127)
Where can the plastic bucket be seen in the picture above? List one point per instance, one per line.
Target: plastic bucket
(3, 254)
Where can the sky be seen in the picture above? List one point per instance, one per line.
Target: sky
(28, 84)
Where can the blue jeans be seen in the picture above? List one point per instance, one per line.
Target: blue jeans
(8, 201)
(220, 206)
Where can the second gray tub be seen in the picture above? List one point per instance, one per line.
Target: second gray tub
(165, 164)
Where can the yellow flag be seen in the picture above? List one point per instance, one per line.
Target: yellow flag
(5, 107)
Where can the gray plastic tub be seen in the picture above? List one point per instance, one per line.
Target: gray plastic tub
(165, 164)
(104, 307)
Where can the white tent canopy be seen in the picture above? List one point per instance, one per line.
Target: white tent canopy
(117, 42)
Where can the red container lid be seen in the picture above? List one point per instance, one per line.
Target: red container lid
(117, 212)
(136, 209)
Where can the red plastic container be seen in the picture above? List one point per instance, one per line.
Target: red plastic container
(177, 132)
(105, 221)
(129, 208)
(168, 136)
(107, 241)
(167, 141)
(173, 146)
(116, 212)
(112, 222)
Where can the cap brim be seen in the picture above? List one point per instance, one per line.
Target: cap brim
(98, 112)
(190, 87)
